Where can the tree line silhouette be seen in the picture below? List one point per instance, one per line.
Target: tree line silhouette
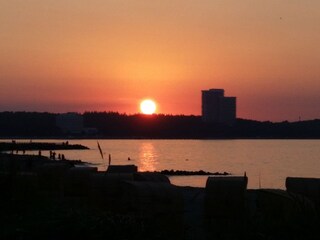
(117, 125)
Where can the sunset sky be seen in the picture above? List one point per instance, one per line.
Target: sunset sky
(108, 55)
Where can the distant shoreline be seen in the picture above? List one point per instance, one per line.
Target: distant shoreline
(112, 125)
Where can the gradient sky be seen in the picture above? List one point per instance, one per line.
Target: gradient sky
(107, 55)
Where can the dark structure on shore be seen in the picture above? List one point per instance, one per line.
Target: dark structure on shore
(216, 108)
(70, 123)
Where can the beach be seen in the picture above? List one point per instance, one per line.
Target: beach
(56, 199)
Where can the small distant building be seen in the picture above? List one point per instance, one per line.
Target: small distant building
(217, 108)
(90, 131)
(70, 123)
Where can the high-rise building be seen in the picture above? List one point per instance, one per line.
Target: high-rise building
(217, 108)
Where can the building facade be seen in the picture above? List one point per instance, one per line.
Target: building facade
(216, 108)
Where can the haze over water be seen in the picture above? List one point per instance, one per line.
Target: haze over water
(266, 162)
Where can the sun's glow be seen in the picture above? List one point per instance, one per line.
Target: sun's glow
(148, 106)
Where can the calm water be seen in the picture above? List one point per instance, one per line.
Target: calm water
(266, 162)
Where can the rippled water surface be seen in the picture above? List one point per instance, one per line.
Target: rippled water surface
(266, 162)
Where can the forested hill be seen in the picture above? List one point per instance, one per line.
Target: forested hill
(115, 125)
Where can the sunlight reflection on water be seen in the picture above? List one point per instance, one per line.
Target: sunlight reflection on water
(147, 157)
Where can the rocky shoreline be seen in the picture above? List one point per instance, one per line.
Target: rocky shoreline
(190, 173)
(28, 146)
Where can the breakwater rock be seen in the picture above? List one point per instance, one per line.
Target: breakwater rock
(28, 146)
(190, 173)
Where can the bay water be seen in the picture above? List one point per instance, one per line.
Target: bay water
(267, 163)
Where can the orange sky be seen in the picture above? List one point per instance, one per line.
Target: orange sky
(107, 55)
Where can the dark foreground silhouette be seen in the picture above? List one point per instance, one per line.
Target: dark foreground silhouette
(47, 199)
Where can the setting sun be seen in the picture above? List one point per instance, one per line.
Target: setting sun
(148, 106)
